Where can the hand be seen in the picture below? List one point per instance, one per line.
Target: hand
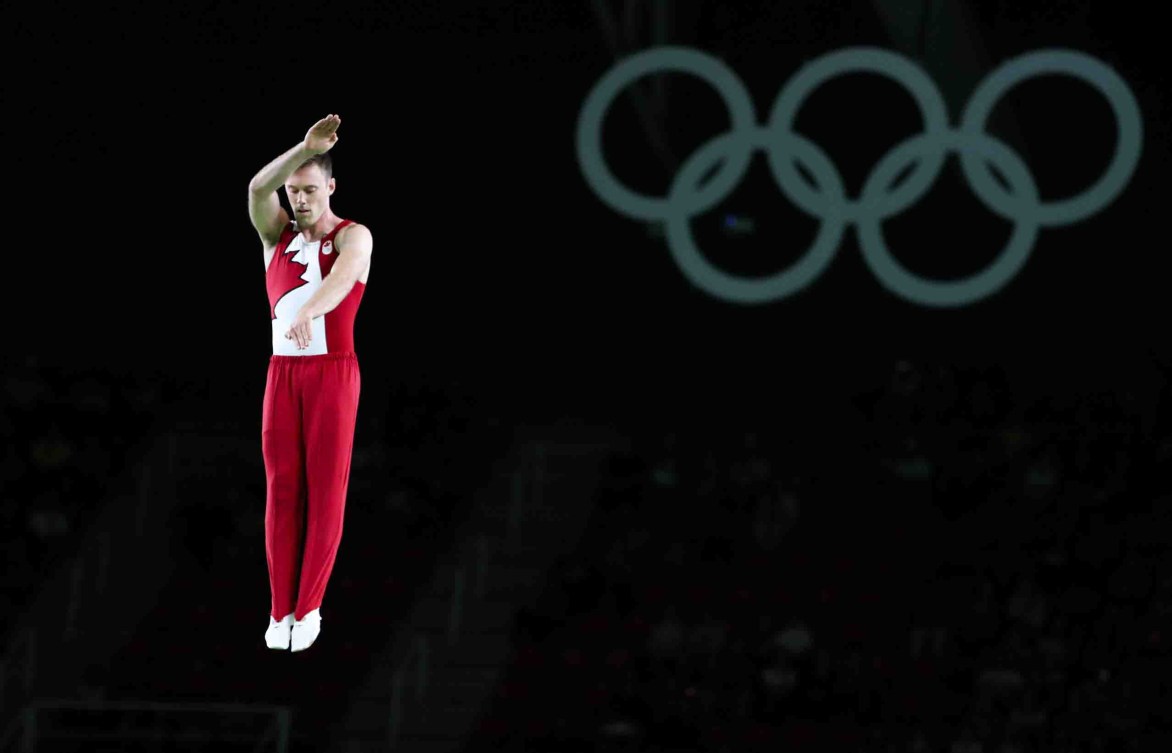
(301, 331)
(323, 135)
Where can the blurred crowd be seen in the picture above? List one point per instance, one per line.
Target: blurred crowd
(968, 569)
(67, 434)
(72, 439)
(408, 475)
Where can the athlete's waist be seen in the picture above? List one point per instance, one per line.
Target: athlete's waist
(339, 356)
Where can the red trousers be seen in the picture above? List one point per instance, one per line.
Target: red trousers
(307, 438)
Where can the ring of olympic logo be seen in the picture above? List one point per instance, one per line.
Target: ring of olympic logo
(878, 200)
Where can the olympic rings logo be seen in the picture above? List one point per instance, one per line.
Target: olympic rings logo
(877, 201)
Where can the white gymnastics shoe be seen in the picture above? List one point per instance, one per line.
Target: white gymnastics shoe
(305, 630)
(277, 636)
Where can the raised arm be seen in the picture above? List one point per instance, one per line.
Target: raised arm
(264, 206)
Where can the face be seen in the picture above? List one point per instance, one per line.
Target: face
(309, 194)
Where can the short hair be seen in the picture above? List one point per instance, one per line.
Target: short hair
(324, 161)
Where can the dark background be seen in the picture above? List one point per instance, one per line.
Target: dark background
(495, 260)
(501, 286)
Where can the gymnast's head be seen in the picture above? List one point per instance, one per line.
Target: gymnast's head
(309, 189)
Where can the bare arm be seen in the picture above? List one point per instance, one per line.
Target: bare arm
(354, 245)
(264, 206)
(354, 249)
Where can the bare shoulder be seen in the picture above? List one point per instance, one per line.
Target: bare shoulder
(355, 234)
(356, 242)
(287, 228)
(270, 244)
